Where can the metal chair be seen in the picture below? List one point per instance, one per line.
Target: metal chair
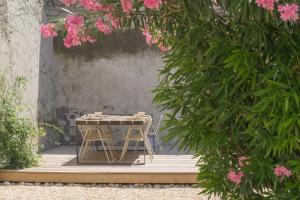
(91, 134)
(142, 135)
(155, 133)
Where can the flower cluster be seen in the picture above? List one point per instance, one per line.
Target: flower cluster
(76, 32)
(288, 12)
(235, 177)
(69, 2)
(150, 40)
(75, 35)
(152, 4)
(92, 5)
(267, 4)
(126, 6)
(148, 37)
(48, 30)
(282, 171)
(102, 27)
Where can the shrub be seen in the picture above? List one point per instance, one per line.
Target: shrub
(17, 149)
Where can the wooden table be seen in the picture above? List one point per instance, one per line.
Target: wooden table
(110, 120)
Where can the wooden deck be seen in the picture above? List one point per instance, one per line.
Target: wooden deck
(59, 165)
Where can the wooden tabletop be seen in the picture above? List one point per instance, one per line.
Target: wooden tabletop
(110, 120)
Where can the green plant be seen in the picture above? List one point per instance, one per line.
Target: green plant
(233, 78)
(17, 134)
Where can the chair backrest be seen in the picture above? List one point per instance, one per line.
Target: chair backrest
(147, 125)
(158, 123)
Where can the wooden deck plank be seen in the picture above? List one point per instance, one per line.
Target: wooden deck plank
(59, 165)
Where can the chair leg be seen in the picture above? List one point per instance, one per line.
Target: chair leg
(85, 148)
(109, 145)
(136, 144)
(147, 145)
(149, 149)
(125, 144)
(103, 146)
(160, 144)
(81, 147)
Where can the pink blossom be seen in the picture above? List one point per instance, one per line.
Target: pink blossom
(73, 26)
(103, 27)
(106, 8)
(74, 21)
(149, 39)
(48, 30)
(164, 48)
(68, 2)
(126, 6)
(152, 4)
(87, 38)
(282, 171)
(288, 12)
(89, 4)
(241, 160)
(113, 20)
(235, 177)
(267, 4)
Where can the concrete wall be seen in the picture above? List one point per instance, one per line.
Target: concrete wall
(24, 53)
(115, 76)
(20, 46)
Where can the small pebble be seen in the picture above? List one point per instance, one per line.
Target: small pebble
(21, 183)
(7, 183)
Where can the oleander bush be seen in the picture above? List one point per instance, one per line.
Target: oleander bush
(231, 83)
(17, 134)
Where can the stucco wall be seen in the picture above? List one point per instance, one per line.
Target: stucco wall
(115, 76)
(20, 45)
(24, 53)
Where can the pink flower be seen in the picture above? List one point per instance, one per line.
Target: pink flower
(103, 27)
(87, 38)
(235, 177)
(73, 26)
(241, 160)
(267, 4)
(152, 4)
(89, 4)
(164, 48)
(282, 171)
(68, 2)
(113, 20)
(288, 12)
(48, 30)
(74, 21)
(126, 6)
(149, 39)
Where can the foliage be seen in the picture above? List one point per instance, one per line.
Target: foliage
(231, 85)
(17, 134)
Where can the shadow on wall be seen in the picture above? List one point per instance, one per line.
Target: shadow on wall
(131, 42)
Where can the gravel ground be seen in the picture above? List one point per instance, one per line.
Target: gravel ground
(22, 192)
